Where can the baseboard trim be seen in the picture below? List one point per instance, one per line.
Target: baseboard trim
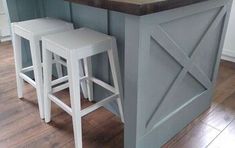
(228, 55)
(5, 39)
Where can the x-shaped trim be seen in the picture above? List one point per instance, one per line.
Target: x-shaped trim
(186, 62)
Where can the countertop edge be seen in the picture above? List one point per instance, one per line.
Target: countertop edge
(136, 9)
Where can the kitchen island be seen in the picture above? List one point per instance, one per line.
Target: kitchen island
(169, 52)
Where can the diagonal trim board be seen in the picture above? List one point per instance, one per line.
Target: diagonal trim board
(160, 36)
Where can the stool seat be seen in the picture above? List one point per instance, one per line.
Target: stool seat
(42, 26)
(82, 42)
(77, 39)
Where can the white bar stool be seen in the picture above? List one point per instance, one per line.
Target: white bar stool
(74, 46)
(33, 30)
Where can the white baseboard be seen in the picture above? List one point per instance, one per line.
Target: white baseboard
(228, 55)
(5, 39)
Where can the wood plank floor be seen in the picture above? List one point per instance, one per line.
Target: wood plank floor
(21, 127)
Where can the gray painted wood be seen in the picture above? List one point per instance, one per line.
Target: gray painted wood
(168, 67)
(57, 9)
(175, 65)
(132, 49)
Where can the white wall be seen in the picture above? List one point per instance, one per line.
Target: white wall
(229, 45)
(4, 23)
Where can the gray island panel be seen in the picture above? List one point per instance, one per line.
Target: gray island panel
(174, 58)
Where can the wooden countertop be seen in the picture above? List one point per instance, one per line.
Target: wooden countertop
(137, 7)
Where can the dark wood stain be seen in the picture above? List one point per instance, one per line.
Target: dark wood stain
(137, 7)
(21, 126)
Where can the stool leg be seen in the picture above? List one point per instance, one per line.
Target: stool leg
(115, 69)
(74, 87)
(16, 40)
(83, 83)
(37, 67)
(58, 66)
(47, 73)
(88, 72)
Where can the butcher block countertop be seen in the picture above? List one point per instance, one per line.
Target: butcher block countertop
(137, 7)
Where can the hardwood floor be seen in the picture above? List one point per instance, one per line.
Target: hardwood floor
(21, 126)
(215, 128)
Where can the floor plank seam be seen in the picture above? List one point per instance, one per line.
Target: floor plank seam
(219, 134)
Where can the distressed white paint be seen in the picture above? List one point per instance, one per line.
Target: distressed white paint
(33, 30)
(75, 46)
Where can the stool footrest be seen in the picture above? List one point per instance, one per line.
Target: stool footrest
(59, 80)
(85, 111)
(63, 86)
(60, 104)
(27, 69)
(99, 104)
(28, 79)
(60, 87)
(66, 85)
(30, 68)
(103, 84)
(64, 79)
